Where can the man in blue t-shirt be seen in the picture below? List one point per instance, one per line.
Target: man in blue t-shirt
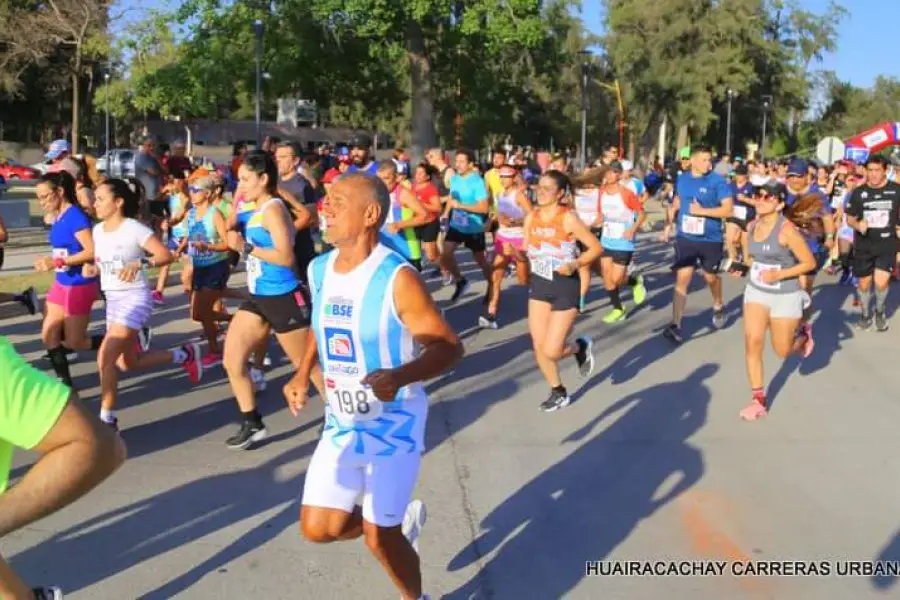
(468, 208)
(702, 200)
(359, 154)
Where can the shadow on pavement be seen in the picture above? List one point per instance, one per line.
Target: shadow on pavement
(890, 553)
(587, 504)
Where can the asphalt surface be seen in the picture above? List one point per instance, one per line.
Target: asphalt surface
(650, 463)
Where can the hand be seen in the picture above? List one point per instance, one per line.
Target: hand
(862, 226)
(696, 209)
(129, 272)
(384, 384)
(630, 233)
(295, 393)
(392, 228)
(235, 241)
(829, 242)
(201, 246)
(770, 276)
(567, 269)
(90, 270)
(44, 264)
(453, 203)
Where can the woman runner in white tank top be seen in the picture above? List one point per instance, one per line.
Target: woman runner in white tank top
(120, 246)
(512, 208)
(586, 201)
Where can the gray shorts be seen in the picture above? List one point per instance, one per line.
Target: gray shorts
(781, 306)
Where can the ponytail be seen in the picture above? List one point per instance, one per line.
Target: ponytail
(806, 214)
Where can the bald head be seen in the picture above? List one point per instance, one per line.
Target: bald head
(365, 189)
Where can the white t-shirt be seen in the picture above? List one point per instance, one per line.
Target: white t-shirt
(115, 249)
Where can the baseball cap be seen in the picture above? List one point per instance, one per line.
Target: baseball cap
(202, 178)
(330, 175)
(773, 188)
(507, 171)
(57, 148)
(740, 169)
(627, 165)
(360, 140)
(797, 167)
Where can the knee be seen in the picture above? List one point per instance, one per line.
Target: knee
(552, 352)
(315, 531)
(378, 538)
(233, 362)
(753, 342)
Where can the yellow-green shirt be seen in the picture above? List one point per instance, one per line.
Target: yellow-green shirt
(494, 185)
(30, 404)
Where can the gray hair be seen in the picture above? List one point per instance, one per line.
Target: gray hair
(387, 166)
(378, 192)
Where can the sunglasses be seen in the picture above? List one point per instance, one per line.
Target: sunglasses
(195, 189)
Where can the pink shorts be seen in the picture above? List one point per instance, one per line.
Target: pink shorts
(501, 240)
(76, 300)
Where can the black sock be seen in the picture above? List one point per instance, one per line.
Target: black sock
(60, 364)
(96, 341)
(253, 417)
(582, 347)
(845, 263)
(632, 280)
(615, 299)
(561, 389)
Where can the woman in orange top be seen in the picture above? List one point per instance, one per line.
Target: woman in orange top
(551, 232)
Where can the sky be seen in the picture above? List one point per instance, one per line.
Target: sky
(860, 56)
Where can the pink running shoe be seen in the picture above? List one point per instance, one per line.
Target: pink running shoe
(754, 411)
(194, 363)
(157, 298)
(810, 343)
(211, 360)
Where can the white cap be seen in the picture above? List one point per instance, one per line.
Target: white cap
(627, 165)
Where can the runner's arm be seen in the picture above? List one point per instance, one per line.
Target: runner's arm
(159, 254)
(4, 234)
(792, 238)
(745, 248)
(723, 211)
(441, 347)
(221, 230)
(419, 216)
(78, 453)
(577, 228)
(304, 217)
(86, 239)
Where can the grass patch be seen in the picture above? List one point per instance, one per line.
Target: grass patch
(42, 281)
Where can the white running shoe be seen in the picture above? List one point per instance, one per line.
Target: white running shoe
(413, 521)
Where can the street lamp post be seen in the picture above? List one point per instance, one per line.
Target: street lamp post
(585, 57)
(767, 100)
(731, 94)
(258, 28)
(106, 102)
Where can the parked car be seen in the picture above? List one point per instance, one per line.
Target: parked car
(12, 170)
(117, 163)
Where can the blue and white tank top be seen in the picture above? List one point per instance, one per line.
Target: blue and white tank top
(618, 217)
(203, 230)
(358, 331)
(175, 205)
(264, 278)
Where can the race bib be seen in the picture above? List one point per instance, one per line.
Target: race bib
(254, 270)
(459, 218)
(60, 253)
(693, 225)
(614, 230)
(351, 402)
(740, 212)
(543, 267)
(877, 219)
(756, 271)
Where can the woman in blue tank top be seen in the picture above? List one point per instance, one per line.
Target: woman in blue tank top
(277, 302)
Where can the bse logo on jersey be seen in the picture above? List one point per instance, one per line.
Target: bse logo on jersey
(338, 309)
(339, 345)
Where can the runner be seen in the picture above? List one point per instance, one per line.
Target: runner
(736, 224)
(121, 244)
(873, 211)
(72, 295)
(621, 217)
(467, 209)
(377, 336)
(430, 199)
(277, 298)
(777, 255)
(359, 154)
(702, 200)
(587, 207)
(175, 229)
(846, 234)
(406, 214)
(28, 298)
(76, 453)
(550, 234)
(512, 208)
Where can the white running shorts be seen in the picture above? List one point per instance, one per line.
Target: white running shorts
(131, 308)
(385, 485)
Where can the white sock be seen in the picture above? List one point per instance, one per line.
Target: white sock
(179, 356)
(107, 416)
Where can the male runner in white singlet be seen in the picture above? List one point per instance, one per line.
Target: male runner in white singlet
(378, 336)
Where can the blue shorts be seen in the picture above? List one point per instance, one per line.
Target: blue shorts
(691, 254)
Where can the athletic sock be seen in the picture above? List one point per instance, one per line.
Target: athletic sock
(880, 297)
(615, 299)
(179, 356)
(253, 416)
(633, 281)
(107, 416)
(60, 364)
(561, 389)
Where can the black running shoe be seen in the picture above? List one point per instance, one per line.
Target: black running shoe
(673, 332)
(47, 593)
(881, 323)
(555, 401)
(487, 321)
(30, 300)
(248, 434)
(865, 322)
(461, 287)
(585, 356)
(145, 336)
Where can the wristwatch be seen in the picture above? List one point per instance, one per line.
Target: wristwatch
(248, 248)
(146, 262)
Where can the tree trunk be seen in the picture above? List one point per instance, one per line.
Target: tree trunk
(423, 134)
(682, 137)
(75, 102)
(649, 139)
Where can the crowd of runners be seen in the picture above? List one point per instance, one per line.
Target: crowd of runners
(337, 259)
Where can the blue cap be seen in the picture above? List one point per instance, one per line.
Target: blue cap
(798, 167)
(57, 148)
(343, 151)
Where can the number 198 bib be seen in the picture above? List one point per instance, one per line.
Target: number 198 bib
(351, 402)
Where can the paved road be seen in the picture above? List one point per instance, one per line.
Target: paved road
(651, 462)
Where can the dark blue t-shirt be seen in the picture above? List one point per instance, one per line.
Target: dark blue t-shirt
(370, 169)
(749, 213)
(709, 190)
(64, 243)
